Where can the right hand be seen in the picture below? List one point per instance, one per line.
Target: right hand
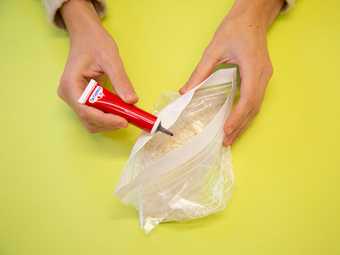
(93, 54)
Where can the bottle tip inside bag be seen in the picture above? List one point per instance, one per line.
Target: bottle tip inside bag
(164, 130)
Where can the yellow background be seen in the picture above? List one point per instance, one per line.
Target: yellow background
(56, 180)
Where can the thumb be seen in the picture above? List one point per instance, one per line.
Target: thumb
(120, 81)
(203, 69)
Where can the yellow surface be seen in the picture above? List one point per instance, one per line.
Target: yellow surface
(56, 180)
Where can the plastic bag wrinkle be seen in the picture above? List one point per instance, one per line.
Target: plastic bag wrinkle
(189, 175)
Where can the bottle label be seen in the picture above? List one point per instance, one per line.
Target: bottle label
(96, 95)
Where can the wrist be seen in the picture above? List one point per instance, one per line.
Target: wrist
(258, 13)
(80, 18)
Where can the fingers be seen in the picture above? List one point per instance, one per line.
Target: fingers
(94, 120)
(253, 84)
(114, 69)
(231, 137)
(237, 119)
(97, 121)
(204, 68)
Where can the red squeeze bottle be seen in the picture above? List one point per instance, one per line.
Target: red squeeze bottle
(98, 97)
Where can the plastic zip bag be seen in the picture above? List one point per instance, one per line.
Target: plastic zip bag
(189, 175)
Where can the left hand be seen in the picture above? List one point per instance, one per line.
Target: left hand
(241, 40)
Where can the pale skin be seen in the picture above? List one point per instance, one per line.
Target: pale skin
(240, 39)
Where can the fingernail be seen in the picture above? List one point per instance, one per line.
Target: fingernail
(123, 124)
(227, 142)
(131, 98)
(182, 91)
(228, 131)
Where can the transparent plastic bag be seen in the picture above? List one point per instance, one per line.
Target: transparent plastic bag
(189, 175)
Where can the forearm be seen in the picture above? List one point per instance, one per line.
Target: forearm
(80, 17)
(260, 13)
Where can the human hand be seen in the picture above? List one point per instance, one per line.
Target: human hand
(93, 54)
(241, 40)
